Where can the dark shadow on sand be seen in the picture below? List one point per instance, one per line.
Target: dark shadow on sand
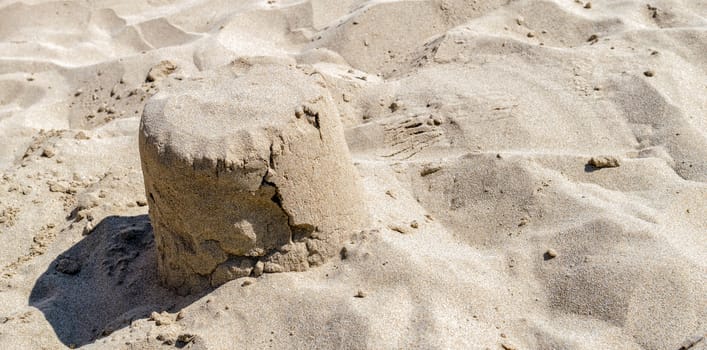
(104, 282)
(588, 168)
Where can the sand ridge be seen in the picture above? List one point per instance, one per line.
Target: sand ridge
(471, 125)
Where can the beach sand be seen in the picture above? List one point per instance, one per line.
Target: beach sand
(534, 174)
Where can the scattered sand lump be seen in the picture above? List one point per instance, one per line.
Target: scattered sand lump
(604, 162)
(246, 173)
(160, 71)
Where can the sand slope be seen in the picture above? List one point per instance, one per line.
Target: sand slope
(471, 124)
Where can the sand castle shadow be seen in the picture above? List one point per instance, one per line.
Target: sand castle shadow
(588, 168)
(104, 282)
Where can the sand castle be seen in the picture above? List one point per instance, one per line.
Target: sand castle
(245, 173)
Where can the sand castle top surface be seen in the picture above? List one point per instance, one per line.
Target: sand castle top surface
(218, 116)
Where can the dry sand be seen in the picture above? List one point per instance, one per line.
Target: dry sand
(471, 125)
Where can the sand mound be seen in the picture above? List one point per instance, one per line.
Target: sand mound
(470, 125)
(249, 175)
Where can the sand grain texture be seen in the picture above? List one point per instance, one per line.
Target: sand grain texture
(477, 221)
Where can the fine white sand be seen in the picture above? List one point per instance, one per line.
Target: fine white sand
(471, 125)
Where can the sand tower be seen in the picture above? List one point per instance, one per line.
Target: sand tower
(246, 172)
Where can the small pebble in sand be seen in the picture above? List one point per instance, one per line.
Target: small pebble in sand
(523, 222)
(507, 346)
(141, 202)
(427, 170)
(344, 253)
(68, 266)
(180, 315)
(88, 229)
(551, 253)
(78, 92)
(81, 136)
(165, 339)
(360, 294)
(160, 71)
(185, 338)
(346, 97)
(649, 73)
(520, 20)
(160, 319)
(394, 107)
(48, 152)
(258, 269)
(604, 162)
(593, 38)
(588, 5)
(530, 35)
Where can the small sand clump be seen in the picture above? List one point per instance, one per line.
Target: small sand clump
(551, 254)
(604, 162)
(160, 71)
